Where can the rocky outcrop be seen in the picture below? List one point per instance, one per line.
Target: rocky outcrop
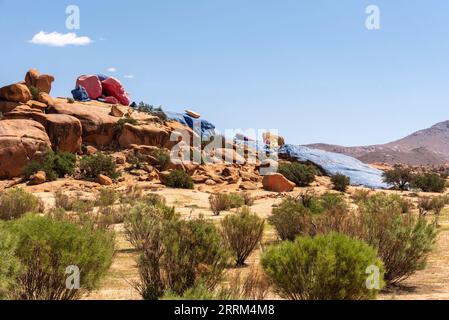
(20, 142)
(64, 131)
(17, 92)
(42, 82)
(276, 182)
(7, 106)
(97, 124)
(121, 111)
(147, 134)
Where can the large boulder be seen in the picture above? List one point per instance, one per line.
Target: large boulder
(42, 82)
(17, 92)
(64, 131)
(20, 142)
(147, 134)
(277, 182)
(97, 124)
(7, 106)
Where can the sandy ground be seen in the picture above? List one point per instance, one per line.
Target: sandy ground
(431, 283)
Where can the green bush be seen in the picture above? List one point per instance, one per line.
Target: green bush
(162, 157)
(236, 200)
(340, 182)
(118, 126)
(327, 267)
(16, 202)
(402, 240)
(10, 266)
(54, 164)
(98, 163)
(399, 177)
(242, 232)
(46, 248)
(175, 254)
(178, 179)
(291, 219)
(430, 182)
(302, 175)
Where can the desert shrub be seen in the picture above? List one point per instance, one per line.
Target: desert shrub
(194, 252)
(340, 182)
(107, 197)
(118, 126)
(34, 92)
(327, 267)
(132, 194)
(219, 202)
(178, 179)
(381, 202)
(291, 219)
(63, 200)
(150, 109)
(16, 202)
(54, 164)
(248, 199)
(399, 177)
(10, 266)
(153, 199)
(175, 254)
(302, 175)
(402, 240)
(427, 204)
(360, 195)
(98, 163)
(242, 232)
(46, 247)
(430, 182)
(70, 100)
(83, 206)
(162, 158)
(236, 200)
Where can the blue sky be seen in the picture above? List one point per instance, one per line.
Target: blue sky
(308, 68)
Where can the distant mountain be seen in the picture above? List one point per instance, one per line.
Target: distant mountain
(425, 147)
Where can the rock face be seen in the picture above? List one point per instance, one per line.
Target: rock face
(277, 182)
(63, 130)
(40, 81)
(97, 124)
(20, 142)
(15, 93)
(121, 111)
(148, 135)
(7, 106)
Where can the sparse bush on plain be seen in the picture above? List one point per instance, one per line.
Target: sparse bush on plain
(340, 182)
(430, 182)
(96, 164)
(403, 241)
(10, 266)
(327, 267)
(54, 164)
(46, 247)
(242, 232)
(178, 179)
(219, 202)
(360, 195)
(14, 203)
(107, 197)
(236, 200)
(302, 175)
(290, 219)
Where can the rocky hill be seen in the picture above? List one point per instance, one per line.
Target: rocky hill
(425, 147)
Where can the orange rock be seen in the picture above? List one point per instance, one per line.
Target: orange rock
(46, 98)
(20, 142)
(148, 134)
(15, 93)
(277, 182)
(40, 81)
(104, 180)
(38, 178)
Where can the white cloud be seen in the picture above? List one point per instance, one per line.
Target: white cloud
(56, 39)
(112, 69)
(129, 76)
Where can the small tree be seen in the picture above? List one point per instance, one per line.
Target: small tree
(340, 182)
(242, 232)
(399, 177)
(327, 267)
